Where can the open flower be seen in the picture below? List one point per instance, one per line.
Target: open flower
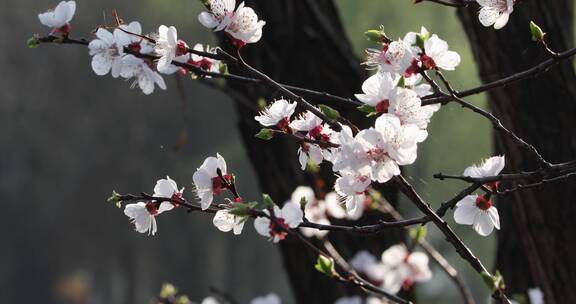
(244, 27)
(401, 140)
(207, 180)
(220, 15)
(407, 106)
(278, 114)
(377, 89)
(290, 216)
(168, 188)
(403, 268)
(270, 298)
(394, 57)
(352, 185)
(226, 221)
(145, 77)
(106, 54)
(168, 47)
(143, 216)
(495, 12)
(59, 18)
(436, 54)
(490, 167)
(477, 210)
(128, 35)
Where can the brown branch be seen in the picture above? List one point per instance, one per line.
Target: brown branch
(451, 237)
(529, 73)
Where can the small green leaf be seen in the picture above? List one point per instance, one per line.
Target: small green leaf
(265, 134)
(242, 209)
(401, 82)
(418, 234)
(115, 199)
(366, 109)
(536, 31)
(312, 167)
(420, 41)
(325, 265)
(33, 41)
(329, 112)
(267, 201)
(168, 290)
(374, 35)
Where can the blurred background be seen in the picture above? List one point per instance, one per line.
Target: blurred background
(70, 137)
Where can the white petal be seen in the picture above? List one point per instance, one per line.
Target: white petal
(493, 213)
(466, 210)
(501, 21)
(488, 15)
(207, 20)
(292, 214)
(483, 224)
(262, 226)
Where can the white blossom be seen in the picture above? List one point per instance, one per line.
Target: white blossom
(290, 216)
(495, 12)
(167, 188)
(207, 181)
(422, 89)
(407, 106)
(363, 261)
(168, 47)
(403, 268)
(278, 114)
(334, 206)
(401, 140)
(306, 122)
(59, 18)
(314, 210)
(309, 152)
(377, 150)
(436, 54)
(394, 57)
(143, 214)
(490, 167)
(377, 89)
(270, 298)
(106, 53)
(145, 77)
(352, 185)
(478, 211)
(143, 218)
(226, 221)
(245, 27)
(220, 15)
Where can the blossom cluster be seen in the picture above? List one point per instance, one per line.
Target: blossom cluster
(241, 24)
(397, 268)
(393, 95)
(125, 52)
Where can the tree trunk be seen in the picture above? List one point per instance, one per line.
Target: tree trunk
(536, 243)
(303, 44)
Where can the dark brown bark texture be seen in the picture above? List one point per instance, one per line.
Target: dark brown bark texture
(537, 242)
(303, 44)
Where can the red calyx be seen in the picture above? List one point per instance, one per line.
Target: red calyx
(316, 132)
(483, 203)
(382, 106)
(283, 124)
(427, 62)
(237, 43)
(65, 29)
(278, 228)
(177, 199)
(152, 208)
(181, 48)
(218, 185)
(414, 68)
(134, 47)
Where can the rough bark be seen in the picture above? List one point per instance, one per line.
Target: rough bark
(304, 44)
(536, 243)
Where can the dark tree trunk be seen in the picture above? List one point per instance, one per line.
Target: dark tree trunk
(537, 242)
(303, 44)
